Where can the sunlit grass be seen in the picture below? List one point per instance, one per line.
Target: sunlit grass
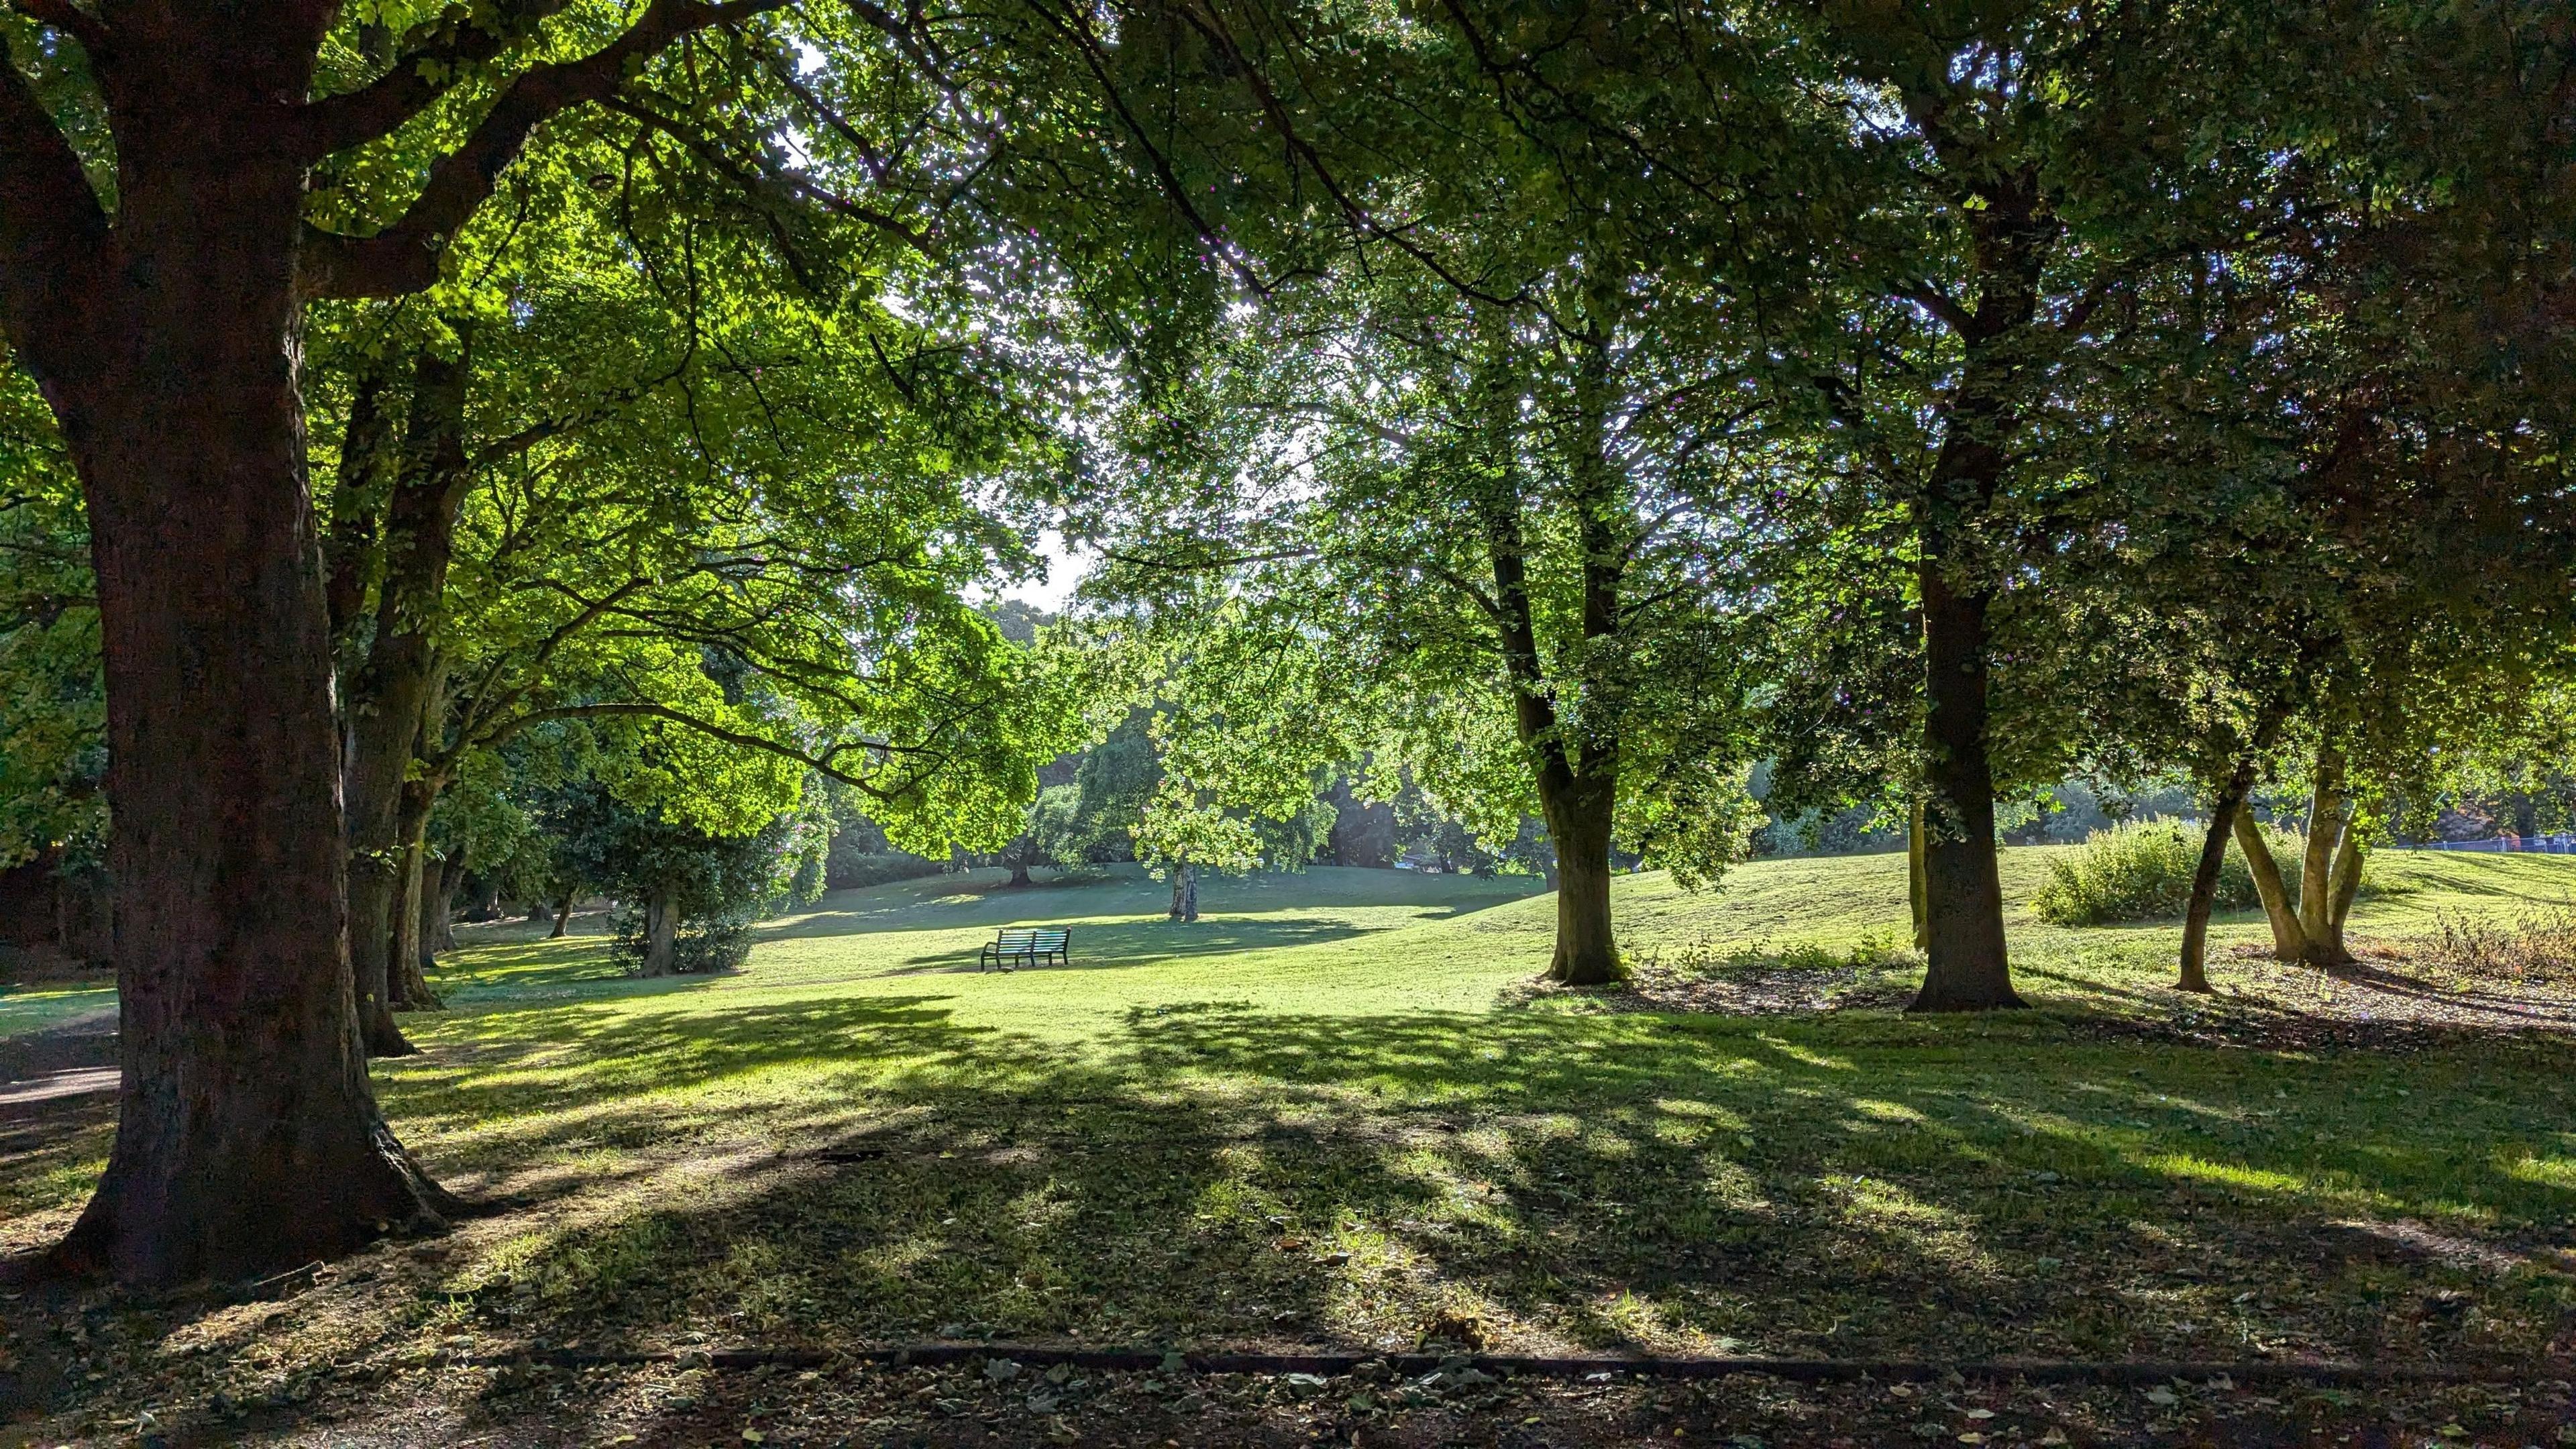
(1332, 1111)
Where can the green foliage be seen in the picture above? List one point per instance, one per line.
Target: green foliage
(1112, 785)
(2142, 871)
(1055, 827)
(53, 706)
(716, 884)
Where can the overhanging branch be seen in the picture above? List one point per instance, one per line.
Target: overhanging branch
(403, 257)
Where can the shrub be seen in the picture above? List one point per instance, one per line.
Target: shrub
(2142, 870)
(853, 869)
(2539, 946)
(699, 944)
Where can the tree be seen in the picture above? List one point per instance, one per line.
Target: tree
(179, 189)
(1502, 557)
(689, 893)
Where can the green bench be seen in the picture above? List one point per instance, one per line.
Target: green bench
(1027, 946)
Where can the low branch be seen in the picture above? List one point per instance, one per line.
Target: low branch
(820, 764)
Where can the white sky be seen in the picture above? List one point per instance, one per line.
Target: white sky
(1064, 570)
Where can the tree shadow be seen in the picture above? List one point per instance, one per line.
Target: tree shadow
(1884, 1187)
(825, 1172)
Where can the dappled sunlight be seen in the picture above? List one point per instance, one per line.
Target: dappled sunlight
(1345, 1142)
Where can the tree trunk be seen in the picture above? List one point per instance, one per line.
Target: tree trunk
(395, 689)
(2204, 880)
(1576, 777)
(563, 913)
(1578, 819)
(408, 948)
(375, 896)
(1914, 875)
(2327, 812)
(248, 1138)
(1963, 897)
(2347, 884)
(1019, 868)
(2289, 943)
(1185, 892)
(438, 928)
(661, 933)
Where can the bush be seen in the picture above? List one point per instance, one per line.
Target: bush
(852, 869)
(699, 945)
(2142, 870)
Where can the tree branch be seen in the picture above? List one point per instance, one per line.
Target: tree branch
(1940, 304)
(821, 764)
(758, 181)
(403, 257)
(429, 63)
(51, 226)
(68, 18)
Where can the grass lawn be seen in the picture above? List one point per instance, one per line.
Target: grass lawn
(1335, 1112)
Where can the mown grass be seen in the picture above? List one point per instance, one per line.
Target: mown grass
(1333, 1112)
(43, 1007)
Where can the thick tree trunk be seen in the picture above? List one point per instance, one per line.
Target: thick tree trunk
(563, 913)
(661, 933)
(1576, 775)
(2327, 822)
(2289, 943)
(1019, 869)
(1914, 876)
(2204, 881)
(1963, 897)
(1185, 892)
(1578, 820)
(248, 1138)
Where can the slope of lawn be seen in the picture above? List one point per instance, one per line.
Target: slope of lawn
(1336, 1111)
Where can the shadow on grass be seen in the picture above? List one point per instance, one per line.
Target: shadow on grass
(866, 1169)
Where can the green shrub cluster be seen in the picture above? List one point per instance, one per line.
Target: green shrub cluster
(2142, 870)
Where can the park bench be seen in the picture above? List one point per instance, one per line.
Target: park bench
(1027, 946)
